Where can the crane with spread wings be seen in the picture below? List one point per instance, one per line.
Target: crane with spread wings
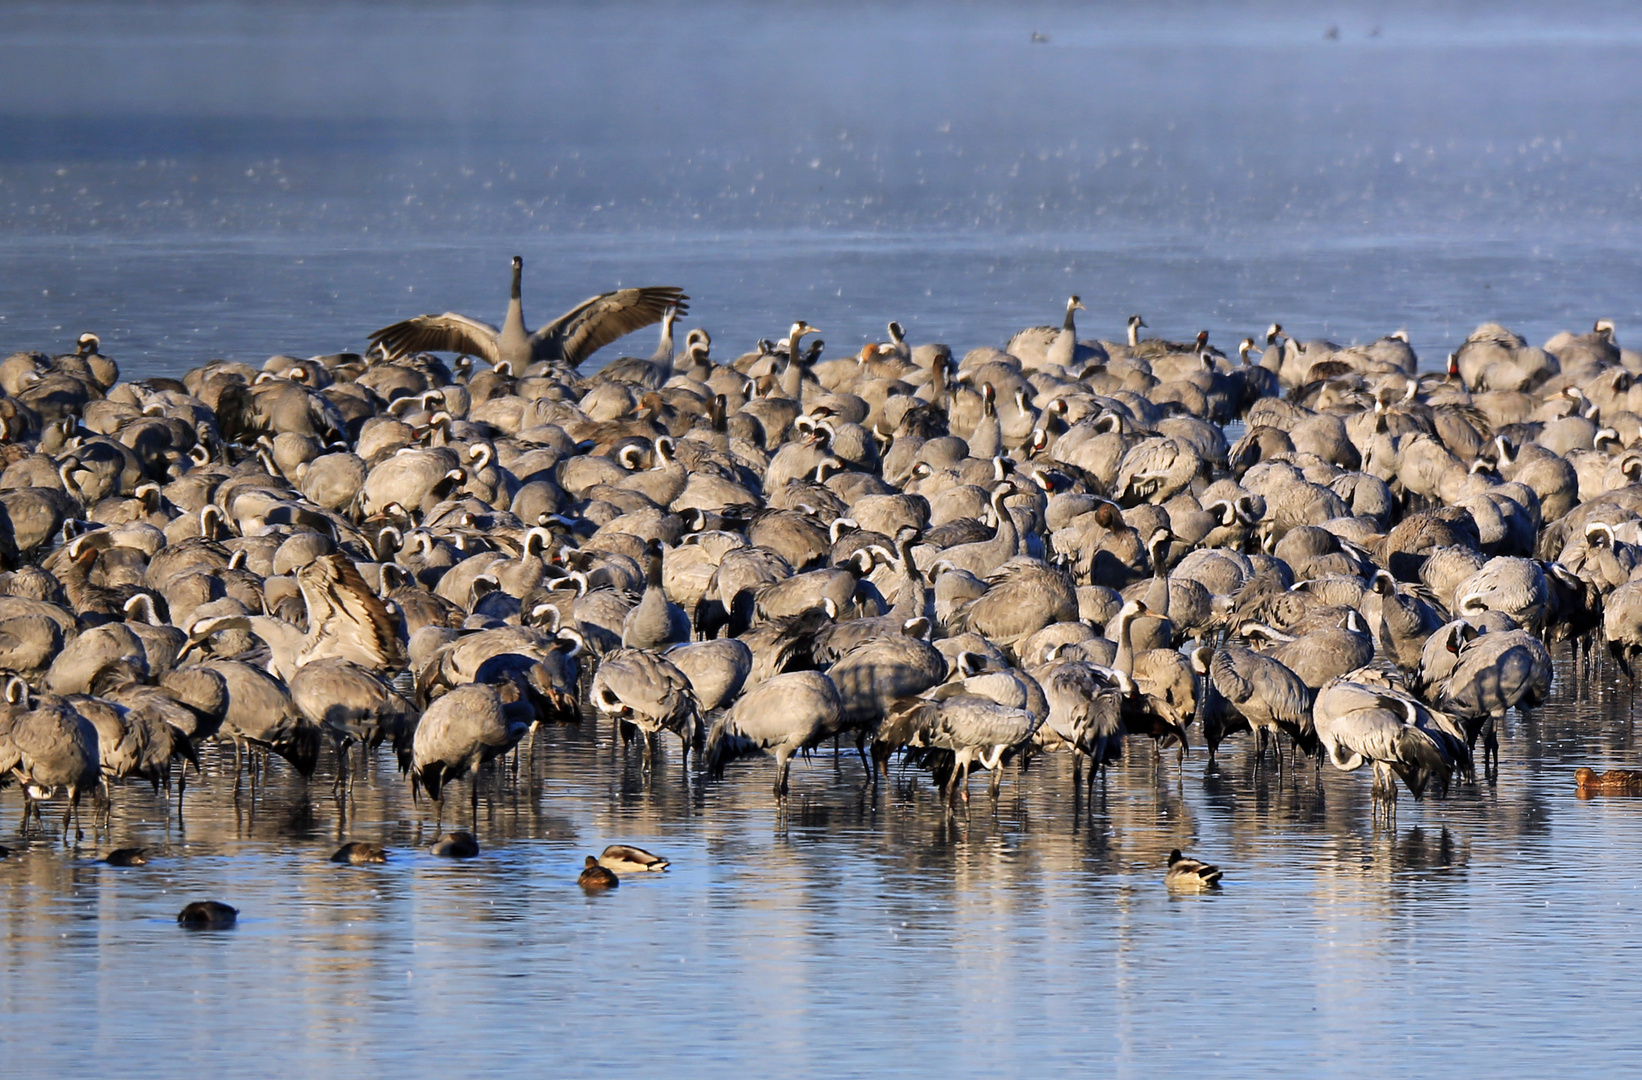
(571, 338)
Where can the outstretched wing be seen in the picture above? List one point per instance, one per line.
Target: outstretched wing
(449, 332)
(347, 619)
(599, 320)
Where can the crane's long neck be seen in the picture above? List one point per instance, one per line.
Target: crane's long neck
(1007, 537)
(792, 376)
(515, 338)
(664, 350)
(912, 600)
(1157, 597)
(1125, 659)
(285, 643)
(1071, 307)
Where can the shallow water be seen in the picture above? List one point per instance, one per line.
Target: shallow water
(213, 180)
(859, 929)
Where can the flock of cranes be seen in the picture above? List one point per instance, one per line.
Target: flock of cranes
(954, 563)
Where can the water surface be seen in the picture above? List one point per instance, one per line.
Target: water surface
(221, 180)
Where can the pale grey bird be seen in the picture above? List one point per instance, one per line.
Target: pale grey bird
(460, 732)
(46, 747)
(781, 715)
(655, 621)
(646, 691)
(1360, 724)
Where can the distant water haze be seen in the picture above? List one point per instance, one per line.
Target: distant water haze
(224, 180)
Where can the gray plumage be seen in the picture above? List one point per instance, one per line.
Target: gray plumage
(1262, 691)
(1085, 714)
(877, 672)
(781, 715)
(648, 691)
(655, 621)
(352, 705)
(260, 712)
(460, 732)
(1360, 724)
(46, 746)
(717, 669)
(966, 730)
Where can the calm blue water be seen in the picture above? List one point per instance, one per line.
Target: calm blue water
(209, 180)
(214, 180)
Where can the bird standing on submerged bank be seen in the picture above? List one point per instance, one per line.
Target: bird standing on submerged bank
(958, 563)
(571, 338)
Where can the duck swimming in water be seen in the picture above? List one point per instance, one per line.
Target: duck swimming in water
(624, 859)
(207, 915)
(1189, 875)
(359, 853)
(1613, 782)
(595, 877)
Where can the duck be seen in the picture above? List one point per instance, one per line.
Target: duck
(359, 853)
(127, 856)
(1612, 782)
(595, 877)
(625, 859)
(207, 915)
(456, 845)
(1189, 875)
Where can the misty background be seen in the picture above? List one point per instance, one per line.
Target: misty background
(235, 180)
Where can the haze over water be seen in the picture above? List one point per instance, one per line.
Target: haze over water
(197, 181)
(194, 181)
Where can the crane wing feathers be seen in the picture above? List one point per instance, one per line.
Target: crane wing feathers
(352, 621)
(599, 320)
(449, 332)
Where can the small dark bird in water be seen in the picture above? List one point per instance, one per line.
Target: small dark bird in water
(1189, 875)
(127, 856)
(207, 915)
(596, 877)
(456, 845)
(624, 859)
(4, 852)
(1039, 39)
(358, 853)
